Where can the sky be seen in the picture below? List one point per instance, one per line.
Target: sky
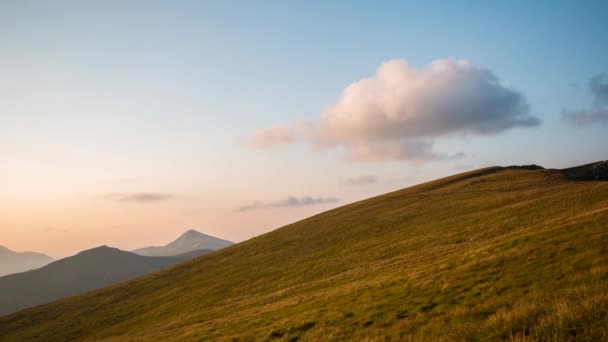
(126, 123)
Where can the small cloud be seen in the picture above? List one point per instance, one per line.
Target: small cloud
(599, 87)
(140, 197)
(397, 113)
(360, 180)
(587, 116)
(289, 202)
(271, 137)
(56, 230)
(598, 112)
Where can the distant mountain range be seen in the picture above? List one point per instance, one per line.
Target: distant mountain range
(14, 262)
(46, 281)
(189, 241)
(85, 271)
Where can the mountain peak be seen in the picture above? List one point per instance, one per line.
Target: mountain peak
(189, 241)
(192, 233)
(101, 250)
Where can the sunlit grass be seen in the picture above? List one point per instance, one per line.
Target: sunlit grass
(496, 254)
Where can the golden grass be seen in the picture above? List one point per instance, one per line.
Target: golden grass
(493, 254)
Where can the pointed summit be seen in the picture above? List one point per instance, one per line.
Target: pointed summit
(189, 241)
(191, 234)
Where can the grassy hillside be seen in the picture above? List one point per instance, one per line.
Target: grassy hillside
(490, 254)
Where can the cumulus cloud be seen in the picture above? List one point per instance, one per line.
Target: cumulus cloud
(289, 202)
(140, 197)
(398, 112)
(598, 112)
(360, 180)
(399, 101)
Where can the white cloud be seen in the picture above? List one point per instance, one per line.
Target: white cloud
(289, 202)
(398, 112)
(140, 197)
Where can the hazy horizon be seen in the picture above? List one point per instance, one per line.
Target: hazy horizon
(126, 124)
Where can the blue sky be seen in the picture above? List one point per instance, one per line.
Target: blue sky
(161, 97)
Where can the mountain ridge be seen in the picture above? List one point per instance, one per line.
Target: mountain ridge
(15, 262)
(85, 271)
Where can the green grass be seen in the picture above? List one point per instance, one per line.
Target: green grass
(493, 254)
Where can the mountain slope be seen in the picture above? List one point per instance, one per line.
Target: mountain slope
(88, 270)
(491, 254)
(14, 262)
(189, 241)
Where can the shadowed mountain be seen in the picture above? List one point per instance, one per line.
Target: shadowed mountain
(589, 172)
(494, 254)
(15, 262)
(189, 241)
(85, 271)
